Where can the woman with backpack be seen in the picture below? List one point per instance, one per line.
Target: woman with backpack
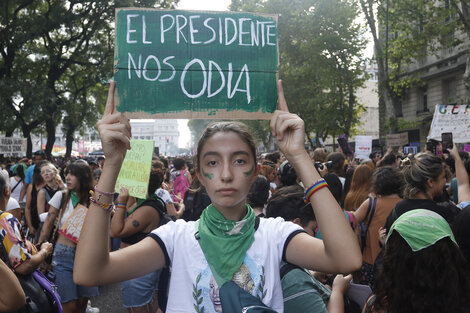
(139, 294)
(62, 222)
(387, 185)
(228, 237)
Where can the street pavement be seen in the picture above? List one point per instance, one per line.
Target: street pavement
(109, 299)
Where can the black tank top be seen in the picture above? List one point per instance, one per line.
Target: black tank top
(157, 205)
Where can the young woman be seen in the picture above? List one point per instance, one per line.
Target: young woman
(31, 209)
(139, 295)
(227, 238)
(18, 187)
(423, 268)
(360, 188)
(387, 185)
(79, 183)
(53, 184)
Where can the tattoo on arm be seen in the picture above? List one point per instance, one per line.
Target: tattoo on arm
(135, 223)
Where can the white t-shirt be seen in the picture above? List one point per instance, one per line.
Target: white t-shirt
(55, 202)
(15, 193)
(190, 272)
(12, 204)
(164, 195)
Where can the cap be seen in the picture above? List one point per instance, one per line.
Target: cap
(421, 228)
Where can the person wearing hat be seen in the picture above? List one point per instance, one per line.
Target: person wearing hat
(423, 268)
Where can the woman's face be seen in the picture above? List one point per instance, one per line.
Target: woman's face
(227, 170)
(48, 173)
(72, 182)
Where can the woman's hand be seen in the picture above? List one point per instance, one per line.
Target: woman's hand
(382, 235)
(47, 248)
(115, 131)
(454, 152)
(288, 128)
(123, 195)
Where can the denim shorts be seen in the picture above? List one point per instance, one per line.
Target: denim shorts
(62, 265)
(139, 291)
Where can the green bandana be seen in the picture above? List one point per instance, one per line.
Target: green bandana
(224, 242)
(74, 197)
(421, 228)
(141, 201)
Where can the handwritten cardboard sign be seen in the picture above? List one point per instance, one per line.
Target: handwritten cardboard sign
(135, 170)
(397, 140)
(74, 223)
(10, 145)
(188, 64)
(363, 147)
(453, 119)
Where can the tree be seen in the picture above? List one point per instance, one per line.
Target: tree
(320, 47)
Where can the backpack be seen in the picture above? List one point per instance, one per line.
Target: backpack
(180, 185)
(363, 225)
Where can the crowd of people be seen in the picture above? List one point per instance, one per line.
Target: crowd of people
(290, 231)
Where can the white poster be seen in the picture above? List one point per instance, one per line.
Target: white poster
(453, 119)
(363, 147)
(10, 145)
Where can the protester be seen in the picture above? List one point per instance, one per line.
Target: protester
(320, 155)
(12, 296)
(18, 186)
(139, 294)
(163, 194)
(337, 166)
(287, 175)
(360, 188)
(269, 171)
(258, 195)
(225, 237)
(423, 268)
(180, 180)
(387, 186)
(425, 179)
(301, 291)
(53, 183)
(79, 179)
(31, 209)
(37, 157)
(195, 201)
(463, 184)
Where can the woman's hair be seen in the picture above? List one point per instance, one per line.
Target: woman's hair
(422, 167)
(82, 171)
(320, 155)
(259, 192)
(389, 159)
(19, 170)
(178, 163)
(337, 159)
(155, 181)
(273, 157)
(287, 202)
(334, 185)
(287, 174)
(387, 180)
(462, 231)
(225, 127)
(434, 279)
(360, 186)
(37, 178)
(266, 170)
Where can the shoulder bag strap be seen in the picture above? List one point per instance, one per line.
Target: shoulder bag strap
(17, 183)
(368, 209)
(372, 211)
(63, 204)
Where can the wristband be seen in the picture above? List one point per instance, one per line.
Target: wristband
(314, 188)
(105, 206)
(104, 193)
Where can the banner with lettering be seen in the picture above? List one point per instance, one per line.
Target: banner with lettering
(11, 145)
(135, 170)
(397, 140)
(453, 119)
(183, 64)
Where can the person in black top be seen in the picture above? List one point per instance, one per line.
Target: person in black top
(425, 179)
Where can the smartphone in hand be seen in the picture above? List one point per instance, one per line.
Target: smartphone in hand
(447, 142)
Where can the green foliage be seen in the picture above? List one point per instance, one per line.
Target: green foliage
(320, 44)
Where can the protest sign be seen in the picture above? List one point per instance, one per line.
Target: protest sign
(453, 119)
(135, 170)
(183, 64)
(397, 140)
(10, 145)
(363, 147)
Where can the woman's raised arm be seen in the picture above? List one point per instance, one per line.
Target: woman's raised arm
(339, 241)
(94, 265)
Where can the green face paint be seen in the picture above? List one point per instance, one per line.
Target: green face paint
(250, 172)
(208, 175)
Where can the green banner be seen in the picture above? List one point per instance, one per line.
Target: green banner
(183, 64)
(135, 170)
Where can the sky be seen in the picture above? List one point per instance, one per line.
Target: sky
(214, 5)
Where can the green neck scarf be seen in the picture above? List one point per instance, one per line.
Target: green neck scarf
(74, 198)
(225, 242)
(141, 201)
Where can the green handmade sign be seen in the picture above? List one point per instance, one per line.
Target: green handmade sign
(135, 170)
(183, 64)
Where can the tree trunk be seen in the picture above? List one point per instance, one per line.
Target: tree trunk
(50, 129)
(29, 142)
(309, 139)
(351, 102)
(69, 141)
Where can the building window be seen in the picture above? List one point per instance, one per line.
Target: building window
(423, 99)
(449, 90)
